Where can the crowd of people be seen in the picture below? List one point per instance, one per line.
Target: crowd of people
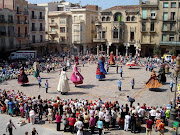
(79, 115)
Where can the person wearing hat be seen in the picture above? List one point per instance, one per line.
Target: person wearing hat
(171, 85)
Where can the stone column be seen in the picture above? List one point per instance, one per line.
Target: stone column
(98, 35)
(101, 47)
(116, 50)
(107, 50)
(126, 50)
(97, 50)
(84, 49)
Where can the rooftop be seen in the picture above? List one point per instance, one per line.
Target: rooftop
(125, 7)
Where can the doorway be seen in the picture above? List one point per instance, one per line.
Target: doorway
(132, 50)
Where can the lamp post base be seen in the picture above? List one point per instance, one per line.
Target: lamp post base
(172, 119)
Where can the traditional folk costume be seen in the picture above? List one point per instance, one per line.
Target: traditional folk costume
(101, 72)
(111, 60)
(36, 68)
(76, 77)
(63, 85)
(22, 78)
(77, 60)
(153, 82)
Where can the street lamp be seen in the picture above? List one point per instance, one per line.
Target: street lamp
(173, 112)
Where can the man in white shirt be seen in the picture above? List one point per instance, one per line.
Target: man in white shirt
(141, 114)
(32, 116)
(127, 122)
(79, 125)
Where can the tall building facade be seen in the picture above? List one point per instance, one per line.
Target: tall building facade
(7, 30)
(37, 28)
(117, 30)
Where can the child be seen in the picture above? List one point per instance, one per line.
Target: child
(119, 84)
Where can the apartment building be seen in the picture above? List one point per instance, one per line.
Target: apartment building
(169, 37)
(7, 31)
(117, 30)
(83, 30)
(149, 26)
(59, 34)
(37, 28)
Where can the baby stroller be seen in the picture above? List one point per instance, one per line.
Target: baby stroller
(156, 124)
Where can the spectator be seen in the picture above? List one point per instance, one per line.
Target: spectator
(79, 125)
(65, 121)
(46, 86)
(32, 116)
(9, 127)
(132, 83)
(131, 100)
(58, 121)
(149, 124)
(86, 120)
(100, 126)
(72, 121)
(34, 132)
(127, 122)
(119, 84)
(161, 128)
(92, 124)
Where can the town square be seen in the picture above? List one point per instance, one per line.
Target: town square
(89, 67)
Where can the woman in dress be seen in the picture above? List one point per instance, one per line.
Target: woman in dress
(76, 77)
(22, 78)
(63, 85)
(153, 81)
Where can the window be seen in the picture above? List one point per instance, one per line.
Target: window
(132, 36)
(52, 20)
(40, 15)
(60, 8)
(108, 18)
(165, 4)
(62, 21)
(164, 26)
(120, 33)
(133, 18)
(52, 28)
(153, 14)
(171, 37)
(10, 30)
(17, 10)
(179, 37)
(33, 38)
(11, 43)
(165, 16)
(33, 26)
(2, 30)
(41, 38)
(76, 38)
(76, 28)
(118, 17)
(25, 11)
(10, 18)
(128, 18)
(115, 33)
(172, 15)
(172, 26)
(152, 26)
(62, 29)
(173, 4)
(41, 28)
(143, 26)
(103, 34)
(144, 14)
(164, 37)
(103, 19)
(62, 38)
(3, 44)
(179, 4)
(33, 17)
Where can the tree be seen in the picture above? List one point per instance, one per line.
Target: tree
(156, 50)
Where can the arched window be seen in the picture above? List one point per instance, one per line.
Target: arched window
(108, 18)
(103, 19)
(115, 32)
(128, 18)
(118, 17)
(133, 18)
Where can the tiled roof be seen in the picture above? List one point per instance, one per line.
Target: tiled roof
(126, 7)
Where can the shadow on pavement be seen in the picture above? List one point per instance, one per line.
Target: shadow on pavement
(86, 86)
(27, 85)
(111, 79)
(158, 90)
(76, 93)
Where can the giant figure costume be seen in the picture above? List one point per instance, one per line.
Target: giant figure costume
(76, 77)
(101, 72)
(22, 78)
(36, 68)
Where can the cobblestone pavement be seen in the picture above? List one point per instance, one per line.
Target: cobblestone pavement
(94, 89)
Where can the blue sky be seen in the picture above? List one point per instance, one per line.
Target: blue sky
(101, 3)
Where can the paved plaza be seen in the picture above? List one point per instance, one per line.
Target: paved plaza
(93, 89)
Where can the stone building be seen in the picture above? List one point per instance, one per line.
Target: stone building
(37, 28)
(118, 30)
(7, 30)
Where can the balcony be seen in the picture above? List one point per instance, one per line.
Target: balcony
(132, 41)
(18, 12)
(2, 33)
(170, 43)
(170, 20)
(62, 41)
(25, 13)
(41, 17)
(26, 22)
(52, 24)
(52, 41)
(33, 17)
(169, 31)
(153, 17)
(152, 31)
(26, 35)
(116, 40)
(34, 29)
(10, 21)
(3, 21)
(19, 22)
(144, 18)
(19, 35)
(11, 34)
(52, 32)
(99, 40)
